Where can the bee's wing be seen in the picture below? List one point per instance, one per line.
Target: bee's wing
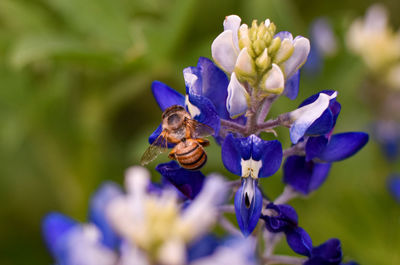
(199, 130)
(159, 146)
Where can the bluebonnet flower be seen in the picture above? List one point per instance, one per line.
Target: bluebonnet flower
(156, 224)
(308, 168)
(251, 158)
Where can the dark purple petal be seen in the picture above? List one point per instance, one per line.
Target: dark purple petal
(187, 181)
(387, 134)
(292, 86)
(231, 155)
(394, 186)
(55, 226)
(299, 241)
(304, 176)
(208, 115)
(248, 217)
(166, 96)
(315, 146)
(285, 218)
(343, 145)
(212, 83)
(97, 212)
(329, 253)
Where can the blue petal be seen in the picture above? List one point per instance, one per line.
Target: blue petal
(292, 86)
(187, 181)
(55, 226)
(322, 125)
(208, 115)
(394, 186)
(315, 146)
(205, 246)
(299, 241)
(343, 145)
(166, 96)
(285, 218)
(212, 83)
(271, 156)
(303, 176)
(97, 212)
(248, 217)
(231, 156)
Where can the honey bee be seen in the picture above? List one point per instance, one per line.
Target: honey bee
(187, 134)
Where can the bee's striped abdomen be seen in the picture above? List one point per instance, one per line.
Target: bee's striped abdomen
(191, 155)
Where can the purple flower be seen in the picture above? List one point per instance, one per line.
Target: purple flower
(307, 173)
(251, 158)
(283, 218)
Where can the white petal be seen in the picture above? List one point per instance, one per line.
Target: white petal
(232, 23)
(299, 56)
(190, 78)
(236, 102)
(136, 179)
(250, 168)
(193, 110)
(267, 22)
(132, 255)
(275, 80)
(244, 63)
(224, 51)
(172, 252)
(83, 246)
(305, 116)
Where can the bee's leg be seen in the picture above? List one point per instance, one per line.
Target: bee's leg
(203, 142)
(171, 154)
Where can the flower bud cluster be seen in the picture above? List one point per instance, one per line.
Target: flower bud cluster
(258, 59)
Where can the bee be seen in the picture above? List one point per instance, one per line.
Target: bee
(187, 134)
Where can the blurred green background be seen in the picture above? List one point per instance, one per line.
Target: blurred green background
(76, 109)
